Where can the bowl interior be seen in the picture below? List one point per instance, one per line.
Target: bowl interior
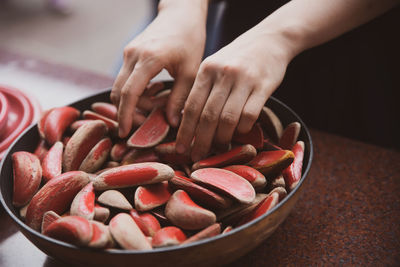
(29, 140)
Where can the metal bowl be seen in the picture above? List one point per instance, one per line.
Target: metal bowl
(218, 250)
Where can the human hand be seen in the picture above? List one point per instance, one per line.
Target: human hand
(230, 90)
(174, 41)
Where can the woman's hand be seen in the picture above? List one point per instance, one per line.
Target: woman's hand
(175, 41)
(230, 90)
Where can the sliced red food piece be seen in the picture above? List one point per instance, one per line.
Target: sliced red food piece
(111, 124)
(48, 218)
(41, 150)
(290, 135)
(101, 214)
(132, 175)
(105, 109)
(127, 234)
(71, 229)
(139, 156)
(239, 155)
(42, 121)
(266, 205)
(278, 181)
(227, 182)
(272, 163)
(210, 231)
(168, 236)
(153, 130)
(254, 137)
(184, 213)
(292, 174)
(76, 124)
(81, 142)
(52, 162)
(146, 222)
(148, 197)
(96, 156)
(115, 199)
(119, 150)
(101, 237)
(27, 173)
(271, 124)
(56, 195)
(83, 203)
(57, 121)
(256, 178)
(199, 193)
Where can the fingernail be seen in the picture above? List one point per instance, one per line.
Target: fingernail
(180, 148)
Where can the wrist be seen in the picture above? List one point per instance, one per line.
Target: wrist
(196, 6)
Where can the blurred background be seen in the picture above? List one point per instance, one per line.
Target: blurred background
(88, 35)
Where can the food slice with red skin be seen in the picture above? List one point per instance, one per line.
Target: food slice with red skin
(27, 174)
(115, 199)
(168, 236)
(272, 163)
(254, 137)
(290, 135)
(52, 162)
(76, 124)
(292, 174)
(101, 237)
(127, 234)
(41, 150)
(231, 217)
(132, 175)
(22, 211)
(159, 214)
(153, 130)
(148, 197)
(147, 223)
(281, 192)
(83, 203)
(48, 218)
(139, 156)
(56, 195)
(184, 213)
(271, 124)
(210, 231)
(227, 182)
(81, 142)
(105, 109)
(278, 181)
(269, 145)
(119, 150)
(199, 193)
(266, 205)
(97, 156)
(256, 178)
(75, 230)
(167, 153)
(227, 229)
(101, 214)
(42, 121)
(238, 155)
(111, 124)
(57, 121)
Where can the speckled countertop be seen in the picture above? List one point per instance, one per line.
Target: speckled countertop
(349, 213)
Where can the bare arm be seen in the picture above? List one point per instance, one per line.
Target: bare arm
(232, 85)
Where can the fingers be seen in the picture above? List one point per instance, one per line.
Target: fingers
(231, 113)
(130, 93)
(209, 118)
(251, 110)
(177, 98)
(119, 82)
(192, 110)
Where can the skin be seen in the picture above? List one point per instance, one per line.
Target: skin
(226, 92)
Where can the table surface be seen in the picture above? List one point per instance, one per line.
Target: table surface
(349, 213)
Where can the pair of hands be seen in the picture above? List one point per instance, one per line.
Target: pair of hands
(223, 94)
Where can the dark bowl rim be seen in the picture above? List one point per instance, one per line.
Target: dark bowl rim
(21, 224)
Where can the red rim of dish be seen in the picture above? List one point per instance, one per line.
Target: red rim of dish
(29, 110)
(4, 108)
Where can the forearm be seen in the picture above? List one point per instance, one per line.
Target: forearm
(302, 24)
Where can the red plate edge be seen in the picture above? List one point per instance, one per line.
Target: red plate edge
(28, 111)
